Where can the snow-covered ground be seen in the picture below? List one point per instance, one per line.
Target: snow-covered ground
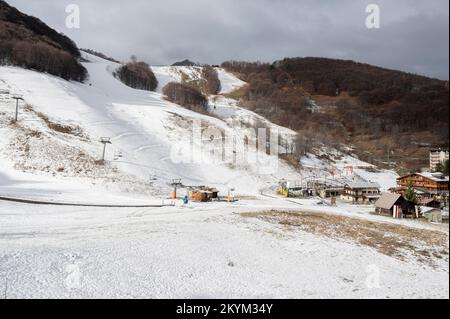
(166, 74)
(229, 82)
(199, 251)
(229, 110)
(193, 251)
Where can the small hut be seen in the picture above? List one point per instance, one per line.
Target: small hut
(394, 205)
(389, 204)
(433, 215)
(201, 196)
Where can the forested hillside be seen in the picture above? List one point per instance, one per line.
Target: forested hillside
(387, 115)
(27, 42)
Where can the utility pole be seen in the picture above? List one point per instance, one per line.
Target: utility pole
(17, 98)
(105, 141)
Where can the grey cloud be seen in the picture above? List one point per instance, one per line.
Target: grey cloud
(414, 34)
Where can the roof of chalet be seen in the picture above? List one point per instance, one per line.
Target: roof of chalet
(362, 184)
(427, 201)
(428, 210)
(436, 177)
(387, 200)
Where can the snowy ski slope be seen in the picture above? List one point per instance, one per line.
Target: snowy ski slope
(143, 126)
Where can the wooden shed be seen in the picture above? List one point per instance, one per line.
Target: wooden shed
(390, 204)
(201, 196)
(395, 205)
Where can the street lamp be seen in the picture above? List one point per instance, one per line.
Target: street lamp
(105, 141)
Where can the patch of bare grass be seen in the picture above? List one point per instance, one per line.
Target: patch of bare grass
(393, 240)
(292, 160)
(57, 127)
(60, 128)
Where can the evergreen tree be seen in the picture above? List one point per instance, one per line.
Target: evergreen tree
(445, 167)
(442, 167)
(410, 194)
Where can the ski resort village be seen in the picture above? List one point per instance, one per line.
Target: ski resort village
(131, 180)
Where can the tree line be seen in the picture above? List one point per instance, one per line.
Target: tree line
(100, 55)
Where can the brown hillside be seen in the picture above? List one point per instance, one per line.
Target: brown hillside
(27, 42)
(378, 111)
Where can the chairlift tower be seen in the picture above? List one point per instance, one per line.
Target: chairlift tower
(17, 98)
(176, 183)
(105, 141)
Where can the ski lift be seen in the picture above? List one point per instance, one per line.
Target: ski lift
(18, 98)
(118, 155)
(176, 183)
(105, 141)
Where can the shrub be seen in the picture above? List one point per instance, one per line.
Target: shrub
(186, 96)
(138, 75)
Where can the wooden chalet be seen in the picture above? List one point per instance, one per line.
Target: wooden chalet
(435, 182)
(361, 192)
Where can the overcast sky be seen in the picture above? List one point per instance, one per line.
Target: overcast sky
(414, 34)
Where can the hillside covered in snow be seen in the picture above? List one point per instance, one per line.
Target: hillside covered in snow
(88, 171)
(61, 123)
(57, 137)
